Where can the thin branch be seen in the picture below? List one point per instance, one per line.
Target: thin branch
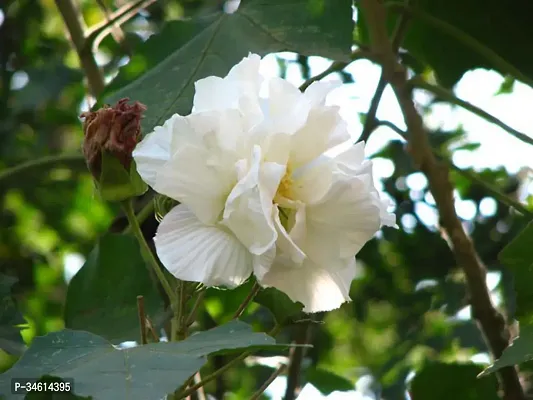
(150, 327)
(96, 33)
(192, 315)
(42, 163)
(336, 66)
(200, 393)
(397, 38)
(496, 60)
(471, 176)
(116, 31)
(296, 356)
(76, 27)
(491, 322)
(448, 96)
(266, 384)
(145, 212)
(255, 289)
(142, 318)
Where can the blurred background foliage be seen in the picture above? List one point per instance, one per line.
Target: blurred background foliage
(406, 300)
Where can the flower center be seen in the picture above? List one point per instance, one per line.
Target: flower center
(285, 186)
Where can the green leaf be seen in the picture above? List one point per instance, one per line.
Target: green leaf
(521, 350)
(507, 85)
(279, 304)
(518, 257)
(10, 318)
(144, 372)
(440, 381)
(327, 381)
(102, 296)
(116, 183)
(212, 45)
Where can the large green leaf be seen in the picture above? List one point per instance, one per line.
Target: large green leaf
(520, 351)
(518, 257)
(327, 381)
(440, 381)
(10, 318)
(144, 372)
(102, 297)
(279, 304)
(494, 23)
(186, 51)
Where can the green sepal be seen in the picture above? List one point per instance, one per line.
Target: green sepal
(116, 183)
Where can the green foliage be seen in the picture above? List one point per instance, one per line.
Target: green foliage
(441, 381)
(220, 41)
(102, 297)
(10, 319)
(279, 304)
(152, 370)
(118, 184)
(327, 382)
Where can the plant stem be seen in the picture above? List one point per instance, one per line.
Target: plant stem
(496, 60)
(180, 311)
(297, 354)
(266, 384)
(370, 122)
(96, 33)
(76, 27)
(142, 318)
(472, 176)
(41, 163)
(491, 322)
(192, 315)
(336, 66)
(255, 289)
(147, 252)
(143, 214)
(220, 371)
(448, 96)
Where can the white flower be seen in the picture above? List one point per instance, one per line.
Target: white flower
(257, 192)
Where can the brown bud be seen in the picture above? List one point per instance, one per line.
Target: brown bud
(115, 130)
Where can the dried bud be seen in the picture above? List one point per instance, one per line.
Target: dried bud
(111, 134)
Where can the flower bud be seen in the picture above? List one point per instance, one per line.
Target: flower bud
(111, 134)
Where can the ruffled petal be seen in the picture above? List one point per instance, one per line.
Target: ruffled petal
(312, 181)
(152, 153)
(343, 221)
(317, 288)
(192, 251)
(285, 242)
(287, 108)
(248, 208)
(317, 92)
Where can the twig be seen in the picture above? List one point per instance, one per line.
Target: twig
(448, 96)
(192, 315)
(142, 318)
(151, 328)
(296, 356)
(491, 322)
(471, 176)
(96, 33)
(42, 163)
(336, 66)
(76, 27)
(266, 384)
(255, 289)
(116, 31)
(200, 393)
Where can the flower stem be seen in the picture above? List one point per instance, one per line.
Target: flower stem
(142, 318)
(266, 384)
(143, 214)
(247, 300)
(146, 251)
(197, 303)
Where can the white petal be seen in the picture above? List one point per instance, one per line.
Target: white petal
(248, 208)
(315, 137)
(154, 150)
(285, 242)
(262, 263)
(316, 93)
(312, 181)
(195, 252)
(343, 221)
(352, 161)
(317, 288)
(288, 109)
(196, 178)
